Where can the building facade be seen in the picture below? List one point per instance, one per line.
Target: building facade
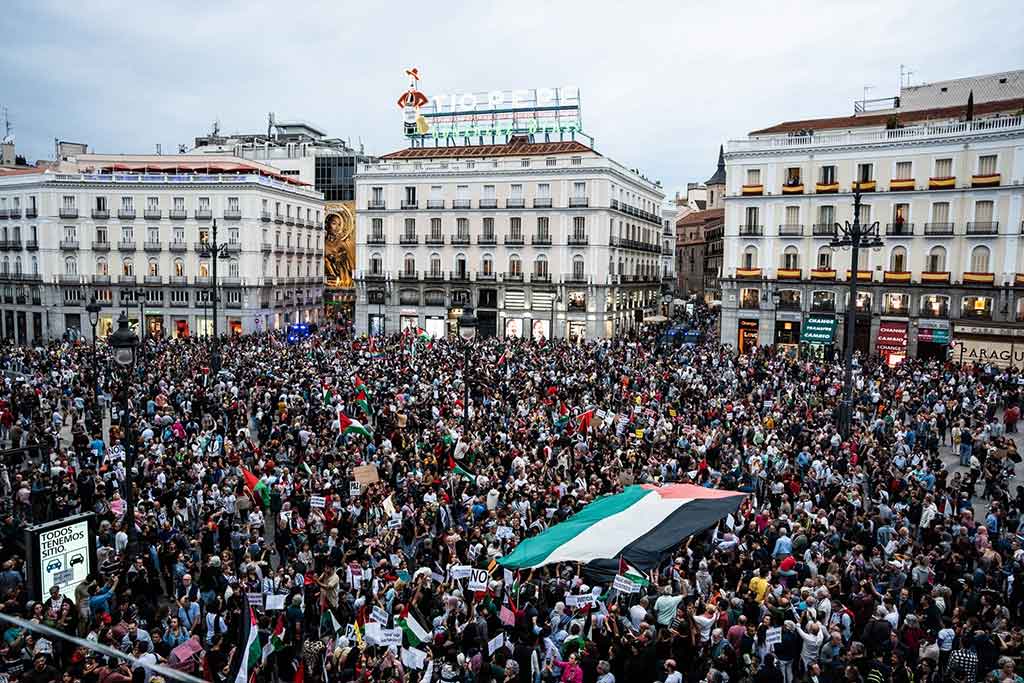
(543, 239)
(945, 185)
(131, 230)
(690, 254)
(668, 252)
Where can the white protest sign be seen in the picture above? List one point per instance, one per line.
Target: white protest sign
(379, 615)
(509, 578)
(391, 636)
(275, 602)
(413, 658)
(255, 599)
(624, 585)
(461, 571)
(395, 522)
(494, 643)
(317, 501)
(355, 489)
(773, 636)
(478, 580)
(503, 532)
(438, 578)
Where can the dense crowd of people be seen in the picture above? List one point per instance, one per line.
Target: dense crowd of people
(851, 560)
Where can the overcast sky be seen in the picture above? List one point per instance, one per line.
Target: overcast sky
(662, 83)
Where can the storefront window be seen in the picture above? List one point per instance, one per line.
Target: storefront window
(934, 306)
(894, 303)
(750, 298)
(577, 300)
(863, 302)
(976, 307)
(823, 301)
(789, 299)
(408, 322)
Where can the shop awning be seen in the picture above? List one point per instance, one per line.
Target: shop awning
(818, 329)
(892, 338)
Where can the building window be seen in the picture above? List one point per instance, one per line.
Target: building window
(828, 175)
(791, 258)
(865, 172)
(987, 164)
(101, 266)
(979, 259)
(179, 203)
(489, 192)
(435, 228)
(154, 267)
(233, 204)
(101, 233)
(409, 264)
(792, 215)
(940, 212)
(751, 217)
(826, 216)
(904, 170)
(204, 203)
(934, 306)
(936, 262)
(70, 233)
(410, 228)
(435, 265)
(515, 227)
(753, 176)
(128, 267)
(233, 268)
(943, 168)
(825, 258)
(898, 260)
(377, 228)
(487, 264)
(515, 265)
(488, 228)
(750, 257)
(525, 163)
(153, 234)
(542, 228)
(410, 196)
(204, 268)
(579, 189)
(378, 196)
(579, 227)
(376, 265)
(462, 192)
(543, 190)
(983, 211)
(179, 268)
(462, 228)
(578, 268)
(894, 303)
(516, 191)
(978, 307)
(750, 297)
(68, 202)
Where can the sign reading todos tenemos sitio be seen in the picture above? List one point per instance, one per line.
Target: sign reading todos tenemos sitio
(64, 552)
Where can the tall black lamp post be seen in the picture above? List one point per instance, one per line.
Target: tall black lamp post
(215, 251)
(854, 236)
(93, 308)
(125, 344)
(467, 330)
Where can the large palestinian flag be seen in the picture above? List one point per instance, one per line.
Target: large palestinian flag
(640, 525)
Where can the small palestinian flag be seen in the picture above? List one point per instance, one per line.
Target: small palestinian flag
(361, 386)
(276, 641)
(454, 467)
(257, 487)
(248, 652)
(563, 416)
(412, 628)
(348, 426)
(364, 403)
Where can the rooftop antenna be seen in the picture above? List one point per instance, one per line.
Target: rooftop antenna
(159, 149)
(216, 127)
(905, 75)
(270, 123)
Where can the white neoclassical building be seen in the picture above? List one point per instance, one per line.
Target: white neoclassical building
(947, 194)
(127, 229)
(545, 239)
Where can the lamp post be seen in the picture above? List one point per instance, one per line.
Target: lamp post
(125, 344)
(93, 309)
(855, 236)
(214, 251)
(554, 302)
(467, 330)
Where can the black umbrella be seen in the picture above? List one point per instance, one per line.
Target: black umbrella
(970, 106)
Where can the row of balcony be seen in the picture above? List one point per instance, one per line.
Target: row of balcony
(149, 214)
(20, 277)
(899, 229)
(267, 216)
(626, 243)
(176, 280)
(888, 276)
(18, 245)
(177, 246)
(516, 240)
(510, 203)
(895, 185)
(15, 214)
(464, 276)
(633, 211)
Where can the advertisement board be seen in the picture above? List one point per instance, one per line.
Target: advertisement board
(61, 553)
(339, 244)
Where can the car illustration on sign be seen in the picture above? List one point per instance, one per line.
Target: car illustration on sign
(77, 558)
(53, 565)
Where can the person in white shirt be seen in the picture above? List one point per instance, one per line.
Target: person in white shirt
(812, 638)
